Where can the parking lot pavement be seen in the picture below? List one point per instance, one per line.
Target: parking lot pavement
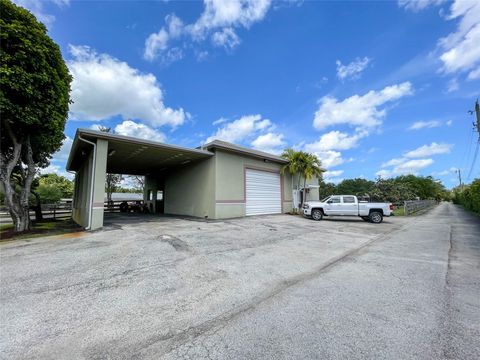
(261, 287)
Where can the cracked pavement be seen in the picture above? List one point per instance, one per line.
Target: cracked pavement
(270, 287)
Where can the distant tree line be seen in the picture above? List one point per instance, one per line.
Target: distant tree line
(395, 190)
(468, 196)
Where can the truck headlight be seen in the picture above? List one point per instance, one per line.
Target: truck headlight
(306, 206)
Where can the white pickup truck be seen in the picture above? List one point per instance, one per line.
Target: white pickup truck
(347, 205)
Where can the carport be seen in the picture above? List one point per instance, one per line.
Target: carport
(179, 174)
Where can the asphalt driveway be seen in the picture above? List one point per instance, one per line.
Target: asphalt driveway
(168, 287)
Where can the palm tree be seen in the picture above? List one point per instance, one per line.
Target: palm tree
(302, 164)
(293, 167)
(310, 166)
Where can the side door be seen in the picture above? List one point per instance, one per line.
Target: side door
(349, 206)
(333, 206)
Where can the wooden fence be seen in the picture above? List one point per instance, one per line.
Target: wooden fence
(63, 210)
(416, 205)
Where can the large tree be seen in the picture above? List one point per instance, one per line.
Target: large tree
(357, 186)
(34, 100)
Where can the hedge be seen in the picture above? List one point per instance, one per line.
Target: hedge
(469, 196)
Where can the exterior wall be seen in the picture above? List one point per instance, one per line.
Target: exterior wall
(99, 185)
(83, 185)
(190, 190)
(151, 184)
(313, 193)
(230, 183)
(81, 196)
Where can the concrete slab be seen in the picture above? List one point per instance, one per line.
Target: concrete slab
(158, 288)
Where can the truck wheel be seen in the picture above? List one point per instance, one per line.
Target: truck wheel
(376, 217)
(317, 214)
(366, 218)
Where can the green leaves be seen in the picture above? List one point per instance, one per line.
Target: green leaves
(303, 163)
(468, 196)
(35, 82)
(396, 190)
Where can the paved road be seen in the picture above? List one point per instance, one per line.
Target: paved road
(277, 287)
(414, 294)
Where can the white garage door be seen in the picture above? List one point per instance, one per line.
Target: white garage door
(263, 192)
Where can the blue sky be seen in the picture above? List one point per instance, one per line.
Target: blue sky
(373, 88)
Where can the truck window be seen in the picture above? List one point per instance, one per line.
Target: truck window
(335, 199)
(348, 200)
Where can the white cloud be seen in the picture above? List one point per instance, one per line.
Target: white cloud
(269, 142)
(329, 158)
(460, 49)
(352, 70)
(412, 166)
(232, 13)
(453, 85)
(444, 172)
(220, 121)
(56, 169)
(429, 150)
(158, 42)
(474, 74)
(242, 129)
(36, 7)
(425, 124)
(62, 154)
(384, 173)
(413, 161)
(405, 166)
(393, 162)
(155, 43)
(332, 176)
(359, 110)
(131, 128)
(226, 38)
(218, 20)
(104, 87)
(417, 5)
(336, 140)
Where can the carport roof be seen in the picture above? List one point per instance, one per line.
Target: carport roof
(132, 156)
(218, 144)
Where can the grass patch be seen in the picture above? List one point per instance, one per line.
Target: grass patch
(4, 227)
(399, 211)
(41, 228)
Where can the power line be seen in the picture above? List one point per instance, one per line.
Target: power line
(468, 150)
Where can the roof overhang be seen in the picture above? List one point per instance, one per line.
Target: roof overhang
(218, 144)
(132, 156)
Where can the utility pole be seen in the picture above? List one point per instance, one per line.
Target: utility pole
(476, 126)
(477, 111)
(459, 177)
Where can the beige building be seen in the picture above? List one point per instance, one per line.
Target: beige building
(219, 180)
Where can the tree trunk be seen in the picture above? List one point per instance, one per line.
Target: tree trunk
(27, 186)
(38, 207)
(23, 222)
(298, 189)
(7, 164)
(18, 204)
(304, 197)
